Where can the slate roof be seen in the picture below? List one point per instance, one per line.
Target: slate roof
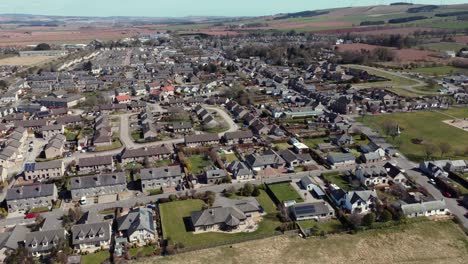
(161, 172)
(138, 219)
(145, 152)
(392, 170)
(268, 158)
(422, 207)
(341, 157)
(98, 180)
(215, 174)
(95, 161)
(30, 191)
(364, 196)
(48, 237)
(238, 135)
(238, 168)
(310, 209)
(38, 166)
(90, 233)
(208, 137)
(230, 216)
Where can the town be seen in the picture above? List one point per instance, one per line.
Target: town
(160, 144)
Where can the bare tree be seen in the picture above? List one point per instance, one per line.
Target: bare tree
(444, 148)
(429, 150)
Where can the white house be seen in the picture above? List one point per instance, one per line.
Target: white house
(360, 201)
(431, 208)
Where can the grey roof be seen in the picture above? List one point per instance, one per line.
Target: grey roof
(17, 235)
(371, 156)
(306, 181)
(51, 128)
(30, 191)
(238, 135)
(90, 233)
(422, 207)
(364, 196)
(215, 174)
(392, 170)
(370, 172)
(208, 137)
(145, 152)
(69, 119)
(268, 158)
(161, 172)
(245, 205)
(95, 161)
(310, 209)
(182, 125)
(238, 168)
(138, 219)
(98, 180)
(228, 215)
(341, 157)
(48, 237)
(43, 165)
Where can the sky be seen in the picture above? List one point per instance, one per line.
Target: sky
(181, 8)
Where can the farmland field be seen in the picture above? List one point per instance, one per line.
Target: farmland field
(423, 242)
(25, 61)
(427, 126)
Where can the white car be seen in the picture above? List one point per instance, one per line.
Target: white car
(432, 181)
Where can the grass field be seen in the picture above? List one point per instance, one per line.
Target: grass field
(444, 46)
(96, 258)
(312, 142)
(440, 70)
(418, 243)
(427, 126)
(285, 192)
(25, 61)
(174, 217)
(394, 80)
(327, 227)
(145, 251)
(336, 178)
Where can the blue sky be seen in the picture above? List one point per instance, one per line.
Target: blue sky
(178, 8)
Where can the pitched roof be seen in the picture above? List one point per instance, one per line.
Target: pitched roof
(422, 207)
(138, 219)
(228, 215)
(161, 172)
(310, 209)
(238, 134)
(30, 191)
(90, 233)
(95, 161)
(145, 152)
(98, 181)
(207, 137)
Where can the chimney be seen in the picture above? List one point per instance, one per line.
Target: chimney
(38, 188)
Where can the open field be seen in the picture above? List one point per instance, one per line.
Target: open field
(429, 127)
(444, 46)
(175, 216)
(440, 70)
(25, 61)
(329, 226)
(285, 192)
(426, 242)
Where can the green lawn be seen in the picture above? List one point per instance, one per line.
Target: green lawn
(39, 210)
(285, 192)
(95, 258)
(282, 146)
(71, 135)
(137, 135)
(230, 157)
(427, 126)
(146, 251)
(198, 163)
(162, 163)
(440, 70)
(173, 215)
(312, 142)
(329, 226)
(116, 144)
(394, 80)
(335, 177)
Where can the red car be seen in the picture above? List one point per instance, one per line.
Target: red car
(447, 194)
(30, 216)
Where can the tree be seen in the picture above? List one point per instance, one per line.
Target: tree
(444, 148)
(368, 219)
(256, 191)
(42, 46)
(386, 216)
(248, 189)
(172, 197)
(389, 127)
(146, 162)
(429, 150)
(19, 256)
(87, 66)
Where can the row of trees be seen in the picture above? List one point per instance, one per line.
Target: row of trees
(364, 56)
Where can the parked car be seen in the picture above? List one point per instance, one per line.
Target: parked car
(432, 181)
(30, 216)
(108, 217)
(447, 194)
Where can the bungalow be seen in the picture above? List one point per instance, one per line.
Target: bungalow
(293, 159)
(269, 159)
(137, 226)
(319, 211)
(201, 139)
(430, 208)
(341, 159)
(239, 170)
(139, 155)
(91, 237)
(360, 202)
(27, 197)
(31, 124)
(371, 157)
(70, 120)
(44, 170)
(162, 177)
(238, 137)
(259, 128)
(97, 185)
(343, 140)
(396, 174)
(307, 184)
(41, 243)
(123, 99)
(96, 164)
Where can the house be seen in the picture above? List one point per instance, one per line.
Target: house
(70, 120)
(341, 159)
(360, 202)
(319, 211)
(137, 226)
(44, 170)
(201, 139)
(55, 147)
(123, 99)
(238, 137)
(212, 176)
(24, 198)
(97, 185)
(309, 185)
(41, 243)
(293, 159)
(371, 176)
(343, 140)
(434, 168)
(239, 170)
(68, 101)
(96, 164)
(372, 148)
(269, 159)
(226, 217)
(182, 127)
(396, 174)
(91, 237)
(259, 128)
(371, 157)
(34, 124)
(47, 132)
(140, 154)
(162, 177)
(429, 208)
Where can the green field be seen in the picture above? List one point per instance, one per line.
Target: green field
(444, 46)
(394, 80)
(175, 216)
(285, 192)
(312, 142)
(335, 177)
(427, 126)
(198, 163)
(96, 258)
(144, 251)
(329, 226)
(440, 70)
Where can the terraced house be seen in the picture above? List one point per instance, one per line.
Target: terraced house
(42, 242)
(162, 177)
(91, 237)
(44, 170)
(96, 164)
(103, 184)
(27, 197)
(139, 155)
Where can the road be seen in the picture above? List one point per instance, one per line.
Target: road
(411, 168)
(232, 125)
